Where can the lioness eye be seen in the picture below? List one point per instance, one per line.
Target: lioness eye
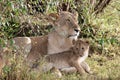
(68, 20)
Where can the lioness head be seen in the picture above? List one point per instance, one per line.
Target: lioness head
(66, 24)
(81, 48)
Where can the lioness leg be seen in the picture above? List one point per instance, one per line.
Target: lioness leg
(50, 67)
(56, 72)
(47, 67)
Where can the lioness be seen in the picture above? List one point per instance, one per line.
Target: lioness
(66, 29)
(74, 57)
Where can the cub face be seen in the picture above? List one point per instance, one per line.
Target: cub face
(81, 48)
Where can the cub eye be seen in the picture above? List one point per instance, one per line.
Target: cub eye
(82, 48)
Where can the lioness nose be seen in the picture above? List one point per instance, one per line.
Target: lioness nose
(76, 30)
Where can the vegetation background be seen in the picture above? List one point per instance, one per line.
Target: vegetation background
(99, 21)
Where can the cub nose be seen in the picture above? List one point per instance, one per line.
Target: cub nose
(76, 30)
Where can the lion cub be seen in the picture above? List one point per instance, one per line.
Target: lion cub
(74, 57)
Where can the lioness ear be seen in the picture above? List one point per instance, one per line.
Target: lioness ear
(52, 17)
(75, 14)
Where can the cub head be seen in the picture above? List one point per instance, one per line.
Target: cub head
(81, 48)
(66, 24)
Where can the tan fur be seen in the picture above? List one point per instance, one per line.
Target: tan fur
(66, 29)
(74, 57)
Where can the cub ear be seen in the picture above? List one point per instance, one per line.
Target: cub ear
(52, 17)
